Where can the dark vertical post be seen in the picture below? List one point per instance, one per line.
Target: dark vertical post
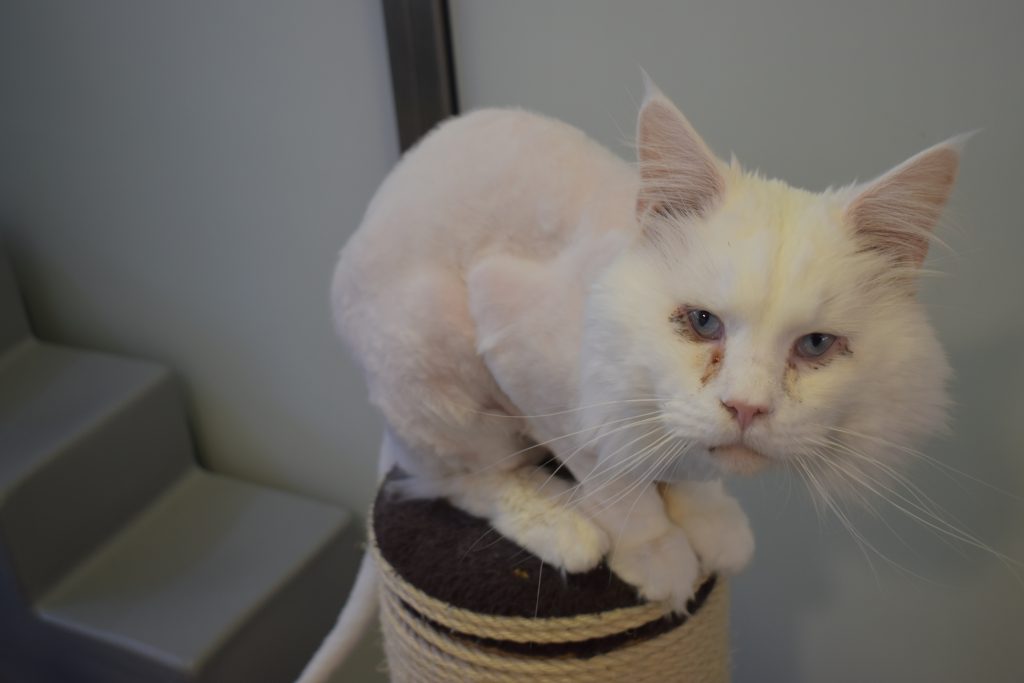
(422, 71)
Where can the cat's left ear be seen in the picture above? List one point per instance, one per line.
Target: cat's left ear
(679, 175)
(896, 213)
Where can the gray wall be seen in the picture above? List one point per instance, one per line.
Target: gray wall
(820, 93)
(176, 179)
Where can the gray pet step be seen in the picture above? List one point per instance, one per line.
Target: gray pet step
(203, 566)
(121, 560)
(86, 441)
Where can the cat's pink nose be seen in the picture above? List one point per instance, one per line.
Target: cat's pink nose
(744, 412)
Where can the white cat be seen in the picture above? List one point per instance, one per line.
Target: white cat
(513, 283)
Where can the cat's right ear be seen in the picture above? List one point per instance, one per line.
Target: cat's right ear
(679, 175)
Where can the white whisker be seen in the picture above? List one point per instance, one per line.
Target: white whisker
(917, 511)
(862, 542)
(924, 500)
(576, 409)
(665, 458)
(624, 465)
(564, 462)
(564, 436)
(934, 462)
(642, 480)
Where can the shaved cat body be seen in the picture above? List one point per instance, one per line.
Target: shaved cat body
(654, 325)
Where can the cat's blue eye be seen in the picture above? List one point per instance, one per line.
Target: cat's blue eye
(815, 344)
(706, 324)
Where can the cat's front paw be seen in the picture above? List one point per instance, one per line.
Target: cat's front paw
(663, 568)
(528, 506)
(715, 523)
(565, 539)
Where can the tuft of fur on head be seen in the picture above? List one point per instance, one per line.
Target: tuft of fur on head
(773, 263)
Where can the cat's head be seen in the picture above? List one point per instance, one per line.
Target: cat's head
(772, 324)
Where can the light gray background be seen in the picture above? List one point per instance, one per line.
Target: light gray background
(820, 93)
(177, 177)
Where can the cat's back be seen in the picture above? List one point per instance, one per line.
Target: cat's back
(494, 182)
(493, 179)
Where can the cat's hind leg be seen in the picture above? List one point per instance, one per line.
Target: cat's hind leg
(416, 342)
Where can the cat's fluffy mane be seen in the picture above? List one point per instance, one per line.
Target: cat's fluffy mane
(773, 263)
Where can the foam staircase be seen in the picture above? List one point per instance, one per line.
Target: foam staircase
(123, 560)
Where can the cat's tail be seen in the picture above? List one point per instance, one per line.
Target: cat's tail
(361, 606)
(353, 621)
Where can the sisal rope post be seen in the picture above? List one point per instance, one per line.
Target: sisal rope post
(453, 610)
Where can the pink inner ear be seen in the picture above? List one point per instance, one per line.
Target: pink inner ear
(679, 175)
(897, 213)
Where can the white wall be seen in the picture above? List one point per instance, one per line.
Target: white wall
(176, 179)
(821, 93)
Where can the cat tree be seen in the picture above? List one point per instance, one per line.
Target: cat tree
(461, 603)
